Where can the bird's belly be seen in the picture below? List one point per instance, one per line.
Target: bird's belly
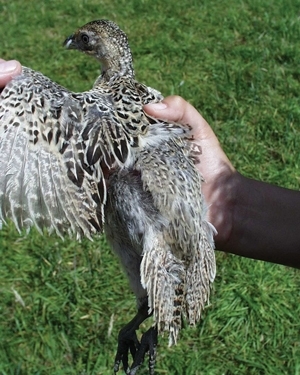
(129, 213)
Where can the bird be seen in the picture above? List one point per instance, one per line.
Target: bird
(82, 163)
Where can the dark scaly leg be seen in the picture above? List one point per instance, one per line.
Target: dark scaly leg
(128, 342)
(148, 344)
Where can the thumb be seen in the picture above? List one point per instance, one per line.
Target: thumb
(8, 69)
(176, 109)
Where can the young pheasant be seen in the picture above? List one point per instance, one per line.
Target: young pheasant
(77, 162)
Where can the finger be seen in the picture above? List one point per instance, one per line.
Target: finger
(8, 69)
(176, 109)
(173, 108)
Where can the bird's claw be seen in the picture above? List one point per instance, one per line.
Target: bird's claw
(138, 351)
(127, 342)
(148, 344)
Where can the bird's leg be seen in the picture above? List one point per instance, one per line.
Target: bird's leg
(127, 339)
(148, 344)
(128, 342)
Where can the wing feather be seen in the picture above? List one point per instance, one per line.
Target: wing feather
(52, 146)
(169, 173)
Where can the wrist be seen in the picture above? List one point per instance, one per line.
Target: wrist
(223, 210)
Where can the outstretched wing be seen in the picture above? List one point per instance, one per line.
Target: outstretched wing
(51, 153)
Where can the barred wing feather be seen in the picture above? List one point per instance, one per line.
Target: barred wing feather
(52, 144)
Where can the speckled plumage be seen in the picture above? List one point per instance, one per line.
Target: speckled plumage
(77, 162)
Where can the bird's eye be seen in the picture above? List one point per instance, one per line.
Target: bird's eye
(85, 38)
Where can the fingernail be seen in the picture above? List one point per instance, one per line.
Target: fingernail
(157, 106)
(8, 66)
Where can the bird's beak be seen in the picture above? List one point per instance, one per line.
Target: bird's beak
(70, 42)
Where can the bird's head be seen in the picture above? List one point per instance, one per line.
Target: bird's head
(105, 41)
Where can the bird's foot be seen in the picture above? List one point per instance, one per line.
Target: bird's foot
(148, 344)
(128, 342)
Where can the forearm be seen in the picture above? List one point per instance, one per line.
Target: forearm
(265, 223)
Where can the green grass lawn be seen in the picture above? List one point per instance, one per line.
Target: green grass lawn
(62, 303)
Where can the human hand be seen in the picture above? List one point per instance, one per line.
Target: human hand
(8, 69)
(219, 174)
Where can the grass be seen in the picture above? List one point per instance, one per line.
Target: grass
(62, 302)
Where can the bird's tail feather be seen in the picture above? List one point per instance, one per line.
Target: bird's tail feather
(200, 274)
(162, 274)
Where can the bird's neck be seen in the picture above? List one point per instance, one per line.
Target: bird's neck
(108, 74)
(117, 67)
